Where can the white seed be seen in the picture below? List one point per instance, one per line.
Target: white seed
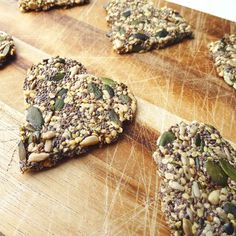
(48, 135)
(48, 146)
(195, 190)
(175, 185)
(89, 141)
(169, 176)
(214, 197)
(37, 157)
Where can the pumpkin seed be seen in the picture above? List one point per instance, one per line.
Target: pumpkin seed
(228, 169)
(61, 60)
(22, 151)
(230, 208)
(109, 90)
(6, 50)
(108, 81)
(35, 118)
(228, 228)
(166, 137)
(137, 48)
(62, 92)
(162, 34)
(58, 76)
(59, 104)
(141, 36)
(121, 30)
(125, 98)
(114, 117)
(126, 13)
(93, 88)
(216, 173)
(197, 163)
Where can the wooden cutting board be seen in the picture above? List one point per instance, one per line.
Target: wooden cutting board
(111, 191)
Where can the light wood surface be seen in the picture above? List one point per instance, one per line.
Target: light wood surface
(111, 191)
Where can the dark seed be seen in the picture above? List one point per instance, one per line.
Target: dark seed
(228, 228)
(58, 76)
(166, 137)
(126, 13)
(230, 208)
(137, 48)
(61, 60)
(35, 118)
(162, 34)
(216, 173)
(93, 88)
(198, 140)
(141, 36)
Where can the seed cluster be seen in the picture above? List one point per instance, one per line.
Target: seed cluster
(39, 5)
(69, 110)
(223, 53)
(198, 191)
(7, 47)
(137, 26)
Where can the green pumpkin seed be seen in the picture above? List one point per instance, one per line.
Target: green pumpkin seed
(59, 76)
(162, 34)
(108, 81)
(2, 38)
(59, 104)
(216, 173)
(166, 137)
(121, 30)
(137, 48)
(22, 151)
(62, 92)
(109, 90)
(230, 208)
(141, 36)
(61, 60)
(93, 88)
(6, 50)
(114, 117)
(35, 118)
(198, 140)
(126, 13)
(125, 98)
(197, 163)
(228, 169)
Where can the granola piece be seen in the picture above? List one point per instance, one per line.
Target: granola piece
(223, 53)
(7, 48)
(137, 26)
(69, 111)
(39, 5)
(198, 170)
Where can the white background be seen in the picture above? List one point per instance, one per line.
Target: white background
(223, 8)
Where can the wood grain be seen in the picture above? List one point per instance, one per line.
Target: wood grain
(111, 191)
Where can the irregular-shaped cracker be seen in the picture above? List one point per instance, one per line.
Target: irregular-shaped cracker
(7, 47)
(39, 5)
(198, 190)
(137, 26)
(223, 53)
(69, 111)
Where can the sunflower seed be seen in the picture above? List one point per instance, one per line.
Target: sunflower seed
(89, 141)
(37, 157)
